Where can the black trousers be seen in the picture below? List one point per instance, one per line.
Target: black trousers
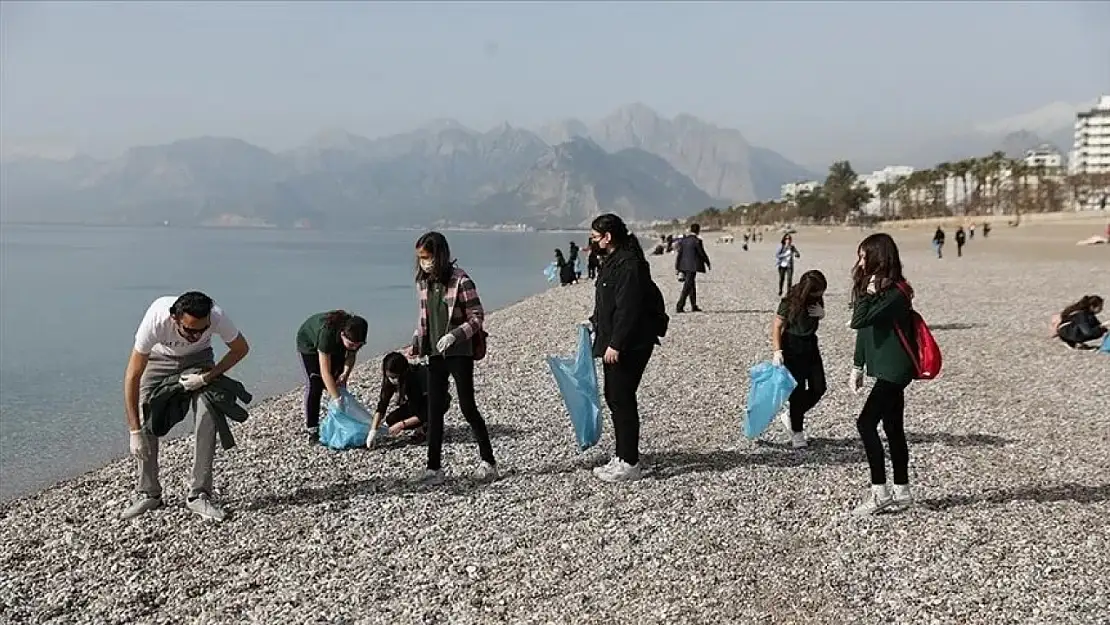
(886, 404)
(314, 386)
(622, 380)
(461, 368)
(689, 290)
(802, 358)
(959, 249)
(786, 274)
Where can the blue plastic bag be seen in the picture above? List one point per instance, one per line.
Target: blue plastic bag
(577, 380)
(344, 429)
(1105, 344)
(552, 272)
(577, 266)
(771, 387)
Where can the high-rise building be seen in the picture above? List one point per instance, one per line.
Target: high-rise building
(1091, 153)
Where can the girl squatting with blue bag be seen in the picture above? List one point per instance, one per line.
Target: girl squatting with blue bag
(794, 340)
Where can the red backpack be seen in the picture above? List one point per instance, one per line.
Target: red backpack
(926, 358)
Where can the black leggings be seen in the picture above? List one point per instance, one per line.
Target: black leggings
(786, 274)
(802, 359)
(461, 368)
(622, 380)
(886, 403)
(314, 385)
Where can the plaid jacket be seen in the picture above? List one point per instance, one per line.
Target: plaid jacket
(464, 308)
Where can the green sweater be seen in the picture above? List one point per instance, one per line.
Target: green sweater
(878, 349)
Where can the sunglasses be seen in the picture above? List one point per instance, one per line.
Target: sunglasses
(187, 331)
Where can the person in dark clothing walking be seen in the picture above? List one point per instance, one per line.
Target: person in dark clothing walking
(328, 344)
(450, 323)
(623, 337)
(689, 261)
(882, 301)
(572, 259)
(938, 242)
(794, 340)
(961, 239)
(592, 261)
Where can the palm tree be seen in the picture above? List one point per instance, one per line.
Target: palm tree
(945, 171)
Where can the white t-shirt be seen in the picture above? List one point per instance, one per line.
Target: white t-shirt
(158, 331)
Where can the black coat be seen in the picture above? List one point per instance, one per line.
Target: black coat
(691, 255)
(620, 291)
(169, 403)
(1081, 327)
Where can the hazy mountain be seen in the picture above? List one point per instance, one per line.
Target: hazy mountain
(575, 181)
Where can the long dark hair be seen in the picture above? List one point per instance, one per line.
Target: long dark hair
(800, 296)
(1087, 302)
(615, 227)
(354, 327)
(881, 260)
(559, 257)
(435, 244)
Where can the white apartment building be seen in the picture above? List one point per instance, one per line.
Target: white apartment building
(886, 175)
(1091, 153)
(792, 190)
(1044, 156)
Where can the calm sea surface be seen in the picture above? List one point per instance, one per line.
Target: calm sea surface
(71, 298)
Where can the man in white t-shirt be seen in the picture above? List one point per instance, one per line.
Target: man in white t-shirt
(176, 335)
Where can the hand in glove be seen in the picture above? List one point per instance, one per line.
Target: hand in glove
(445, 343)
(193, 381)
(855, 381)
(338, 403)
(139, 447)
(872, 288)
(776, 358)
(816, 311)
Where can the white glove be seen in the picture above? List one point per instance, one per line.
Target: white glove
(338, 403)
(589, 325)
(192, 381)
(445, 343)
(871, 288)
(816, 311)
(776, 358)
(855, 381)
(139, 447)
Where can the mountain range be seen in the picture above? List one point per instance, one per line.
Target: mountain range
(633, 161)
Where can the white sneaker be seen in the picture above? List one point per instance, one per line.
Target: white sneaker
(798, 440)
(486, 472)
(621, 472)
(205, 508)
(433, 477)
(784, 418)
(902, 499)
(141, 505)
(607, 468)
(877, 500)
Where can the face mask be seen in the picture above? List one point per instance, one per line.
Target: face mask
(427, 265)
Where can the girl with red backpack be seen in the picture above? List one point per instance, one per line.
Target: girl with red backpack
(883, 317)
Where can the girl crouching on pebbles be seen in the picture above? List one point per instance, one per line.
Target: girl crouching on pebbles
(881, 301)
(1078, 324)
(794, 339)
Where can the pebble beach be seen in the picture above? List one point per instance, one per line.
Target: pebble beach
(1009, 460)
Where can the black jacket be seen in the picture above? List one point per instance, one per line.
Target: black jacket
(620, 292)
(1081, 327)
(169, 402)
(691, 255)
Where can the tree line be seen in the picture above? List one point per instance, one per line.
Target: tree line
(991, 185)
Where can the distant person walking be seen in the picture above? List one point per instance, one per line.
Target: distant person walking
(174, 342)
(784, 260)
(971, 232)
(448, 333)
(938, 242)
(572, 259)
(1078, 324)
(986, 229)
(881, 300)
(794, 341)
(623, 337)
(593, 260)
(327, 343)
(690, 260)
(961, 240)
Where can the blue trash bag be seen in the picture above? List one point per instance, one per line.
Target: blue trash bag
(552, 272)
(577, 380)
(1105, 344)
(344, 429)
(771, 387)
(577, 266)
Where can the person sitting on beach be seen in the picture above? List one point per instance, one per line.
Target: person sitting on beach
(328, 344)
(408, 383)
(881, 300)
(451, 319)
(794, 341)
(174, 337)
(784, 260)
(1078, 324)
(623, 337)
(566, 270)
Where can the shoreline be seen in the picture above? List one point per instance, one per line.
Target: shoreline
(352, 536)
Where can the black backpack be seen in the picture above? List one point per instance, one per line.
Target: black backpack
(656, 310)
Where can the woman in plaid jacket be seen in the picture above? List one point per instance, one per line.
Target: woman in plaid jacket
(450, 321)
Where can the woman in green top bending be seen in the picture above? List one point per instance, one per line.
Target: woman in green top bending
(794, 339)
(327, 343)
(881, 301)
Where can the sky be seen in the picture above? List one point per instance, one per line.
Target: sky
(809, 80)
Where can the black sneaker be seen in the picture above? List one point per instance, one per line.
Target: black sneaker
(313, 435)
